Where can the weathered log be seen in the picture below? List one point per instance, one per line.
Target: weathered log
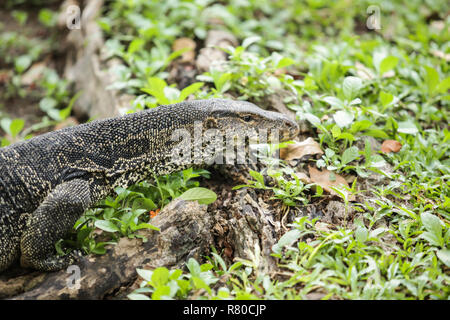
(185, 232)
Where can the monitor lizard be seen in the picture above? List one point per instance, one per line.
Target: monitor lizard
(49, 181)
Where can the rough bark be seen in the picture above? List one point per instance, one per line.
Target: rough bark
(89, 70)
(243, 224)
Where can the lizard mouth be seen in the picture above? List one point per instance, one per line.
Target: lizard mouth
(290, 130)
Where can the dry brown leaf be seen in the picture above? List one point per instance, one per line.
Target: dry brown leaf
(389, 74)
(322, 178)
(391, 146)
(439, 25)
(68, 122)
(441, 54)
(298, 150)
(322, 226)
(5, 75)
(181, 43)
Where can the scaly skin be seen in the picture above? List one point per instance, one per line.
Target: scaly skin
(49, 181)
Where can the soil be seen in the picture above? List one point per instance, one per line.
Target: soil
(26, 105)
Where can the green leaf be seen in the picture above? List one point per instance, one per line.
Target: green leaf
(172, 94)
(334, 102)
(47, 103)
(206, 267)
(351, 87)
(361, 125)
(145, 274)
(347, 136)
(137, 296)
(222, 83)
(175, 274)
(194, 267)
(59, 115)
(431, 238)
(20, 16)
(349, 155)
(377, 133)
(5, 142)
(135, 45)
(367, 152)
(199, 283)
(106, 225)
(16, 126)
(335, 131)
(144, 203)
(284, 62)
(361, 234)
(161, 292)
(12, 127)
(388, 63)
(146, 226)
(48, 17)
(202, 195)
(177, 53)
(250, 40)
(444, 85)
(257, 176)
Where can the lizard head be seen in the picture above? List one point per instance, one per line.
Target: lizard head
(241, 118)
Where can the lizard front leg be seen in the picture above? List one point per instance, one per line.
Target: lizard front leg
(51, 221)
(11, 229)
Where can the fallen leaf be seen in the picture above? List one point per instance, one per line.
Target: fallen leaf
(439, 25)
(5, 75)
(298, 150)
(323, 179)
(211, 55)
(391, 146)
(228, 251)
(181, 43)
(363, 72)
(33, 74)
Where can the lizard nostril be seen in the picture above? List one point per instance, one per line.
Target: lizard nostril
(292, 125)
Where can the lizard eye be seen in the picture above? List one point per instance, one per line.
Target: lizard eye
(247, 118)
